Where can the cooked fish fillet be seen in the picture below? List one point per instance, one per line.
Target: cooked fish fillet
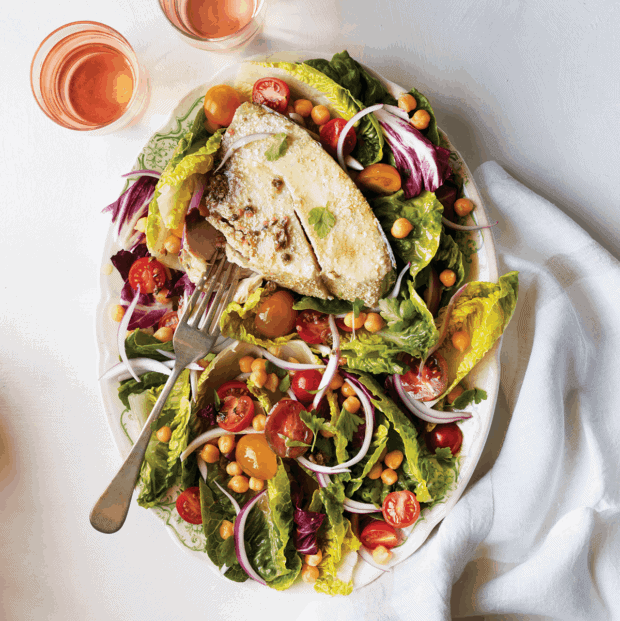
(263, 208)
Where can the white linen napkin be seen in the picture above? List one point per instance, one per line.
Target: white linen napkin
(537, 535)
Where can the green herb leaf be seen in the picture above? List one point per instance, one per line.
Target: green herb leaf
(473, 395)
(315, 424)
(216, 399)
(357, 307)
(278, 147)
(323, 220)
(285, 383)
(290, 443)
(443, 453)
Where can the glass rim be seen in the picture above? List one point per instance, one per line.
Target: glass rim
(103, 26)
(210, 39)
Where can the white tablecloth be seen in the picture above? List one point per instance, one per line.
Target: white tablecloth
(531, 85)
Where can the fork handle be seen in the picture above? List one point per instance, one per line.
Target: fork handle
(110, 511)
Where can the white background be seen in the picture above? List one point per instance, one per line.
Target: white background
(531, 84)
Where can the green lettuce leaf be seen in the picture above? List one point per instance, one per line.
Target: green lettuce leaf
(139, 344)
(473, 395)
(148, 380)
(483, 311)
(432, 131)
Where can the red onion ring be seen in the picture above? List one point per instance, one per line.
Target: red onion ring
(345, 131)
(460, 227)
(353, 506)
(122, 331)
(242, 556)
(332, 365)
(199, 190)
(202, 467)
(351, 162)
(283, 364)
(399, 280)
(234, 503)
(241, 143)
(397, 112)
(120, 372)
(143, 173)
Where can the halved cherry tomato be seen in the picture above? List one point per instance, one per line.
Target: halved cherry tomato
(285, 423)
(188, 505)
(429, 384)
(446, 435)
(401, 509)
(147, 273)
(303, 382)
(330, 133)
(272, 92)
(381, 178)
(379, 533)
(276, 316)
(235, 413)
(221, 103)
(312, 326)
(169, 320)
(256, 457)
(234, 388)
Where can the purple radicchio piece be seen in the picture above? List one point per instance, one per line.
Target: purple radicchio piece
(422, 164)
(132, 201)
(209, 414)
(308, 524)
(143, 319)
(124, 259)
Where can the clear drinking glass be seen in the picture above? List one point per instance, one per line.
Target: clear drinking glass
(85, 76)
(216, 25)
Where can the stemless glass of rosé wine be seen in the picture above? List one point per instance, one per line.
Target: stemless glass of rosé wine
(216, 25)
(85, 76)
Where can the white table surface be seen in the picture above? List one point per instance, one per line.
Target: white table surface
(533, 85)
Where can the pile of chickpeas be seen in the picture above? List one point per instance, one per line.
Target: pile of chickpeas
(392, 462)
(373, 322)
(257, 367)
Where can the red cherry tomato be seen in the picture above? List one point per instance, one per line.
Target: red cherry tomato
(312, 326)
(234, 388)
(276, 315)
(429, 384)
(235, 413)
(378, 533)
(401, 509)
(272, 92)
(188, 505)
(447, 435)
(330, 133)
(284, 422)
(169, 320)
(303, 382)
(147, 273)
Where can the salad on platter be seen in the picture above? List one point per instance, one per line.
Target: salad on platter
(340, 414)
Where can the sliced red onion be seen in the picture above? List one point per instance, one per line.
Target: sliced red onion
(193, 383)
(199, 190)
(241, 143)
(122, 331)
(460, 227)
(323, 479)
(202, 467)
(242, 556)
(297, 118)
(351, 162)
(242, 377)
(192, 366)
(291, 394)
(119, 372)
(203, 438)
(367, 556)
(323, 349)
(287, 366)
(345, 130)
(332, 365)
(143, 173)
(399, 280)
(353, 506)
(234, 503)
(422, 411)
(306, 463)
(398, 112)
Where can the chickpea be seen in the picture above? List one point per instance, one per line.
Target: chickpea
(245, 364)
(226, 444)
(172, 244)
(455, 393)
(336, 382)
(394, 459)
(258, 378)
(389, 476)
(463, 206)
(375, 471)
(420, 119)
(239, 484)
(164, 334)
(226, 529)
(447, 278)
(117, 312)
(461, 340)
(407, 102)
(351, 404)
(313, 559)
(272, 383)
(309, 574)
(303, 107)
(256, 485)
(374, 322)
(210, 453)
(260, 364)
(259, 422)
(179, 230)
(320, 115)
(326, 434)
(351, 321)
(164, 434)
(381, 555)
(401, 228)
(141, 225)
(234, 468)
(161, 296)
(347, 390)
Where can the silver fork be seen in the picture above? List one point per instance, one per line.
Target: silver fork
(194, 337)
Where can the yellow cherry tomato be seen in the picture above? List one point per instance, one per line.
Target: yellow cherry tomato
(221, 103)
